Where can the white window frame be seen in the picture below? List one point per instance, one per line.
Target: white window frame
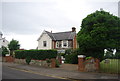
(43, 43)
(58, 43)
(66, 43)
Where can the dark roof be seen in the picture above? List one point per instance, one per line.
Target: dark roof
(62, 35)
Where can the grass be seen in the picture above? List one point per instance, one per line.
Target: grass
(112, 67)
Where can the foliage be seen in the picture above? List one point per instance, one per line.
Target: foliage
(99, 30)
(57, 63)
(88, 58)
(109, 55)
(68, 51)
(72, 56)
(28, 60)
(4, 51)
(62, 54)
(117, 55)
(36, 54)
(48, 61)
(13, 45)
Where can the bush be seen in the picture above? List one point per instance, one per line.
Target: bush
(4, 51)
(57, 63)
(28, 60)
(71, 58)
(36, 54)
(117, 55)
(88, 58)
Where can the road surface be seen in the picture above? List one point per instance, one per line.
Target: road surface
(12, 73)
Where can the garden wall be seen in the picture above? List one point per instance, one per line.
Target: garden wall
(42, 63)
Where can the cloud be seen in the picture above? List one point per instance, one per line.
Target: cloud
(21, 19)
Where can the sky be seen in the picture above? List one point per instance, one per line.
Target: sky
(25, 20)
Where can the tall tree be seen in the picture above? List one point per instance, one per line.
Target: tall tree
(99, 30)
(13, 45)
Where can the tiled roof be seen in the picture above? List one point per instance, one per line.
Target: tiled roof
(62, 35)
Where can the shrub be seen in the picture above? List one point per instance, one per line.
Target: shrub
(36, 54)
(4, 51)
(71, 58)
(88, 58)
(28, 60)
(57, 63)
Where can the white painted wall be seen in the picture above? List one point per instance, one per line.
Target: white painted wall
(5, 43)
(45, 37)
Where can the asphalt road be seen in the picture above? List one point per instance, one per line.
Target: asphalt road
(12, 74)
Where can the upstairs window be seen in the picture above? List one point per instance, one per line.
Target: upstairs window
(58, 44)
(44, 43)
(65, 44)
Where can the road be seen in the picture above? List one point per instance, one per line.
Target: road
(12, 73)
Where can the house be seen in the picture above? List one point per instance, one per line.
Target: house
(3, 41)
(59, 41)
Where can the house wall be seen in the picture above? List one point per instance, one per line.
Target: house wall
(69, 45)
(5, 43)
(74, 43)
(45, 37)
(53, 44)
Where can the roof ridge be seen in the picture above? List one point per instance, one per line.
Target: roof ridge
(53, 36)
(63, 32)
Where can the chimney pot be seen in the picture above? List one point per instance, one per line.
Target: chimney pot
(73, 29)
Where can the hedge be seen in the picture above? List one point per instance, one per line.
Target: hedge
(36, 54)
(71, 58)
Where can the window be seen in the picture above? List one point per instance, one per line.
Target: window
(44, 43)
(70, 44)
(65, 43)
(58, 44)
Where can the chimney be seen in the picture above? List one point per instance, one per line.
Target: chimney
(73, 29)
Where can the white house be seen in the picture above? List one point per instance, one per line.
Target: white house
(3, 41)
(59, 41)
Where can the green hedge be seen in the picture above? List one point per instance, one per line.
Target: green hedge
(71, 58)
(36, 54)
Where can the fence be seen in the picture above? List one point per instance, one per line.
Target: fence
(110, 66)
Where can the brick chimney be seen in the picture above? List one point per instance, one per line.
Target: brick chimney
(73, 29)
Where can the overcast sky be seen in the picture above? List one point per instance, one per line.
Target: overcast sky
(25, 20)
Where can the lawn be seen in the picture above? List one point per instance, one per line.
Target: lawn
(113, 66)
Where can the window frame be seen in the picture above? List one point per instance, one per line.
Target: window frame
(44, 43)
(65, 41)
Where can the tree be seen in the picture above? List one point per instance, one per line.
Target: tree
(4, 51)
(109, 55)
(99, 30)
(13, 45)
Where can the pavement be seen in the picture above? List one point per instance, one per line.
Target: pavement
(60, 72)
